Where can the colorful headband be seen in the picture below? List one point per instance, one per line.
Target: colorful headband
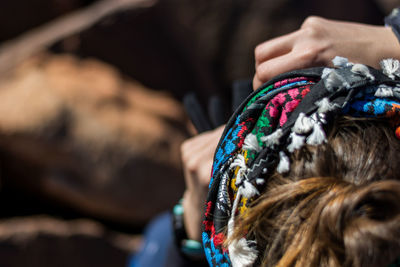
(283, 115)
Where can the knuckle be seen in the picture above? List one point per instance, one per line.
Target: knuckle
(191, 167)
(205, 177)
(311, 55)
(262, 73)
(185, 148)
(308, 54)
(325, 57)
(256, 83)
(191, 164)
(257, 51)
(312, 22)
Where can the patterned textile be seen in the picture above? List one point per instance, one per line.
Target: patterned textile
(286, 113)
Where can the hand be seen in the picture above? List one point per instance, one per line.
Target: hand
(197, 158)
(318, 41)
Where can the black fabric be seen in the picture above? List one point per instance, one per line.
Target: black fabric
(196, 113)
(176, 259)
(217, 111)
(393, 20)
(241, 89)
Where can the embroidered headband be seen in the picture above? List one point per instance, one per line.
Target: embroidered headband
(283, 115)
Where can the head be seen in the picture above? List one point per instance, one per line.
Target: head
(296, 183)
(339, 205)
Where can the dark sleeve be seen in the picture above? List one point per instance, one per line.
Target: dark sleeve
(393, 20)
(176, 259)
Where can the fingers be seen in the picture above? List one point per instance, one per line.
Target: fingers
(256, 82)
(193, 206)
(275, 57)
(305, 47)
(206, 141)
(199, 165)
(274, 48)
(197, 157)
(287, 62)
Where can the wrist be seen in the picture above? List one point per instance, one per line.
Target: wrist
(189, 248)
(191, 216)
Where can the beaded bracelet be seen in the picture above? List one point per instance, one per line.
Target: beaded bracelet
(191, 249)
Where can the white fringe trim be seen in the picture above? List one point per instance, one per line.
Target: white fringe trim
(335, 81)
(251, 143)
(362, 70)
(260, 181)
(325, 72)
(324, 105)
(296, 143)
(248, 190)
(240, 162)
(231, 222)
(390, 67)
(303, 124)
(318, 135)
(240, 253)
(284, 163)
(272, 139)
(384, 91)
(340, 62)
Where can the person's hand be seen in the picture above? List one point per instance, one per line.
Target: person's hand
(197, 157)
(318, 41)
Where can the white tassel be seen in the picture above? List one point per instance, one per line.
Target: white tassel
(335, 81)
(241, 254)
(390, 67)
(325, 105)
(396, 90)
(248, 190)
(384, 91)
(231, 222)
(340, 62)
(362, 70)
(321, 117)
(318, 135)
(296, 143)
(284, 163)
(251, 143)
(240, 162)
(314, 117)
(325, 72)
(318, 118)
(303, 124)
(272, 139)
(260, 181)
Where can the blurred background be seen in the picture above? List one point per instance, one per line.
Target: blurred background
(91, 115)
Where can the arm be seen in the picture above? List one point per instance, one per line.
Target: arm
(318, 41)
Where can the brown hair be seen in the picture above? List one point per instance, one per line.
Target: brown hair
(338, 206)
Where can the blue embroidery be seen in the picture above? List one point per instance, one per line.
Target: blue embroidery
(208, 255)
(226, 148)
(205, 237)
(295, 84)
